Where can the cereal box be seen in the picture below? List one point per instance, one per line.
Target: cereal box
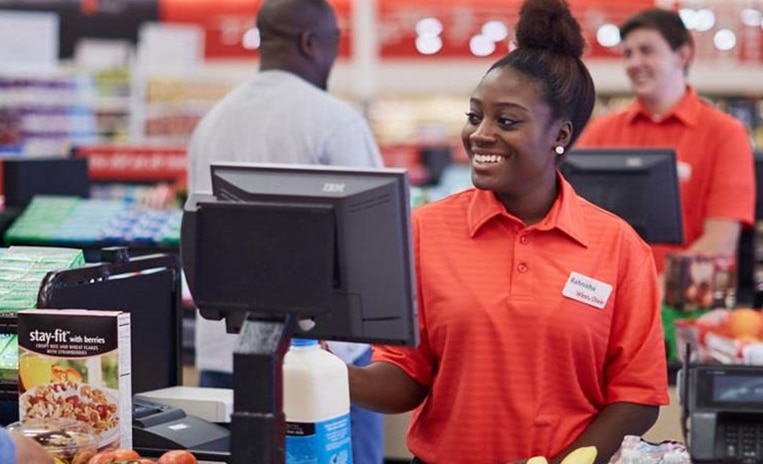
(75, 364)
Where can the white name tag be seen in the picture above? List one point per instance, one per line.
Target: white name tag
(587, 290)
(683, 171)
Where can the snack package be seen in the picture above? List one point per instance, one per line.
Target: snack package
(700, 282)
(635, 450)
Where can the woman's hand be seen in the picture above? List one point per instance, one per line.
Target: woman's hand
(28, 451)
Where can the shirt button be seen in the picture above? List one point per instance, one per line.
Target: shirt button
(524, 240)
(522, 267)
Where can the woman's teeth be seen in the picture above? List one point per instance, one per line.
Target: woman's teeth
(487, 158)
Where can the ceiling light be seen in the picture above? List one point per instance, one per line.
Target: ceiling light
(428, 45)
(751, 17)
(608, 35)
(481, 45)
(428, 27)
(724, 40)
(705, 20)
(495, 30)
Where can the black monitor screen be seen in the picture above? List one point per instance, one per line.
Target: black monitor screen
(152, 298)
(26, 177)
(638, 184)
(329, 245)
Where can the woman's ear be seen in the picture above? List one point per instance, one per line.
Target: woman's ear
(564, 136)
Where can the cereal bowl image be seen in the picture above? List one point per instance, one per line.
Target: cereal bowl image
(94, 406)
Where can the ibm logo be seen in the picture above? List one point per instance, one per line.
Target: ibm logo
(333, 188)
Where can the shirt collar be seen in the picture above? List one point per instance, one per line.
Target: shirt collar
(686, 110)
(565, 214)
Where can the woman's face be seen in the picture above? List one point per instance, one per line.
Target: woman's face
(508, 136)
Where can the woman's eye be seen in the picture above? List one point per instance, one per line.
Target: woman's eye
(506, 122)
(472, 117)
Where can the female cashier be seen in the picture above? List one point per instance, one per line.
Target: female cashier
(539, 312)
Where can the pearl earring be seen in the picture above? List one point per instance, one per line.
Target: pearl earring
(559, 150)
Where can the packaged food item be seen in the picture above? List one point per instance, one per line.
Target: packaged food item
(75, 364)
(316, 403)
(69, 441)
(700, 282)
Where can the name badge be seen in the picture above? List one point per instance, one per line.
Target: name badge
(587, 290)
(683, 170)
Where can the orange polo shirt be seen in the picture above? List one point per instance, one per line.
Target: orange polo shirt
(516, 368)
(715, 161)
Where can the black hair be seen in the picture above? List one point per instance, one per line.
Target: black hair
(549, 46)
(667, 23)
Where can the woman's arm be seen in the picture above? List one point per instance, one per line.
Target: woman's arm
(614, 422)
(384, 387)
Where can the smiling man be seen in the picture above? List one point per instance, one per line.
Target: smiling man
(715, 162)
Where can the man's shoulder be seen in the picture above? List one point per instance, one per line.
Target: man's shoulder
(709, 114)
(606, 121)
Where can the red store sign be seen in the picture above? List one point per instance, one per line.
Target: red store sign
(226, 21)
(134, 163)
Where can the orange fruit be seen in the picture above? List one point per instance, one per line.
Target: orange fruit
(744, 322)
(748, 339)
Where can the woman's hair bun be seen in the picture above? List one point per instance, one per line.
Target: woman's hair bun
(549, 25)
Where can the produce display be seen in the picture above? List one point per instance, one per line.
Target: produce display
(128, 456)
(723, 336)
(582, 455)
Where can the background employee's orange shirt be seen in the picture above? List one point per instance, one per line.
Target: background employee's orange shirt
(515, 368)
(715, 163)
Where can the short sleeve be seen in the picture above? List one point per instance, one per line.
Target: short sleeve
(418, 362)
(731, 190)
(636, 365)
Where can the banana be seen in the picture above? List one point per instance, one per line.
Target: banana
(537, 460)
(582, 455)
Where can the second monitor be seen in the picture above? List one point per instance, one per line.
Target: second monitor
(638, 184)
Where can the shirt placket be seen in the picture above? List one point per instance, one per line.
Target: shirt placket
(522, 266)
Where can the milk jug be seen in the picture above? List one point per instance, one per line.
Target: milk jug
(316, 403)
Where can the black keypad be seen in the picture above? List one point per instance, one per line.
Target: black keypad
(742, 441)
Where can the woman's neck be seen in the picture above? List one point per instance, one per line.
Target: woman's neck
(532, 206)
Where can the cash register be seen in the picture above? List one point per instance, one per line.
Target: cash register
(315, 251)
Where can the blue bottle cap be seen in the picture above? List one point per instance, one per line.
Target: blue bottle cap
(303, 342)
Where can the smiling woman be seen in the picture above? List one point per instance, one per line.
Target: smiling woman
(538, 311)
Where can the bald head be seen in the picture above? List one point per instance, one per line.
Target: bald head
(293, 14)
(299, 36)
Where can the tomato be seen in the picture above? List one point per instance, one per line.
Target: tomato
(106, 457)
(146, 461)
(125, 454)
(177, 457)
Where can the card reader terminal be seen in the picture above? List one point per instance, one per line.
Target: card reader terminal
(724, 408)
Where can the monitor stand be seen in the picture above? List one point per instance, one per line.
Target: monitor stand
(258, 422)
